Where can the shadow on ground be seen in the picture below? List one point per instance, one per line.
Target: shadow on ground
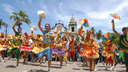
(35, 70)
(10, 66)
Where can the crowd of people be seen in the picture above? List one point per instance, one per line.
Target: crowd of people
(46, 47)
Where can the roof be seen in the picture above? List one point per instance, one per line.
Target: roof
(28, 34)
(61, 24)
(72, 19)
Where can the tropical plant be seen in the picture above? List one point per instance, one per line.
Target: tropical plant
(99, 35)
(93, 31)
(5, 25)
(23, 15)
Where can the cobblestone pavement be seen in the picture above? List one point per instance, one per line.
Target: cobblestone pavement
(9, 66)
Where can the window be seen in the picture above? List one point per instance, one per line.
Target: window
(59, 28)
(72, 29)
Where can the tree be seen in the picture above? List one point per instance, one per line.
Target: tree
(99, 35)
(93, 31)
(115, 38)
(5, 25)
(78, 39)
(0, 23)
(23, 15)
(117, 41)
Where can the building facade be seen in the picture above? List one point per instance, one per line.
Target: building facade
(60, 27)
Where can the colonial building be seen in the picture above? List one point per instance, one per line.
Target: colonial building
(72, 27)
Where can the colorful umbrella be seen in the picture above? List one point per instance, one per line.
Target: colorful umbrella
(115, 16)
(42, 14)
(33, 28)
(127, 35)
(59, 32)
(83, 31)
(21, 18)
(84, 22)
(52, 31)
(10, 37)
(107, 37)
(69, 33)
(82, 43)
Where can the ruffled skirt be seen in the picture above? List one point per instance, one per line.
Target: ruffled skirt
(89, 53)
(26, 47)
(104, 53)
(37, 50)
(3, 47)
(59, 52)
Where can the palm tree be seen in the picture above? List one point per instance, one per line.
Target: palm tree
(5, 25)
(23, 15)
(99, 35)
(93, 31)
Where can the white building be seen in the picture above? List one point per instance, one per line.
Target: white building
(72, 27)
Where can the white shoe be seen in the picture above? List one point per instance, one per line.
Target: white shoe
(112, 68)
(3, 60)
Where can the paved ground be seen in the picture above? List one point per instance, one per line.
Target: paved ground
(9, 66)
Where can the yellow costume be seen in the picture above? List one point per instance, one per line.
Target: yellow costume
(38, 48)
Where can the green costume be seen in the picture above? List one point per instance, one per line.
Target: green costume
(123, 49)
(16, 45)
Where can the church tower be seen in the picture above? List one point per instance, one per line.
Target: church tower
(73, 26)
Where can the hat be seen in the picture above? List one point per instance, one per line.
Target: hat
(25, 33)
(40, 34)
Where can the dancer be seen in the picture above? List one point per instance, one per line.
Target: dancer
(88, 52)
(110, 55)
(59, 50)
(2, 46)
(65, 40)
(16, 43)
(38, 48)
(123, 46)
(27, 48)
(72, 47)
(47, 42)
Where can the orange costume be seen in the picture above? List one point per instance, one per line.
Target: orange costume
(88, 51)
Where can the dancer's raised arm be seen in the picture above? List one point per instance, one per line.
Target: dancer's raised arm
(75, 37)
(39, 25)
(113, 27)
(79, 33)
(14, 26)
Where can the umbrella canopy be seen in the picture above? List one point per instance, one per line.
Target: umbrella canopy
(115, 16)
(127, 34)
(33, 28)
(84, 22)
(83, 31)
(107, 37)
(21, 18)
(59, 32)
(52, 31)
(69, 33)
(10, 37)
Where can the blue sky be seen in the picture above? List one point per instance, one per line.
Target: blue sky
(96, 11)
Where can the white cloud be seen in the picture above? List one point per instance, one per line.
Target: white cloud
(30, 1)
(8, 8)
(98, 15)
